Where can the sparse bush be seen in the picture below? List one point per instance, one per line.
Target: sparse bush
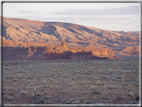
(96, 92)
(92, 87)
(23, 92)
(99, 83)
(38, 94)
(14, 90)
(29, 81)
(46, 93)
(89, 102)
(41, 101)
(137, 97)
(71, 84)
(12, 93)
(131, 94)
(95, 78)
(10, 98)
(20, 77)
(112, 87)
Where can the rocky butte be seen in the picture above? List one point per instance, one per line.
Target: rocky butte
(56, 52)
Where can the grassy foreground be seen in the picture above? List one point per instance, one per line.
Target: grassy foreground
(71, 81)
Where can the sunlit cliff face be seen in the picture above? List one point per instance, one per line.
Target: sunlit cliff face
(63, 36)
(56, 52)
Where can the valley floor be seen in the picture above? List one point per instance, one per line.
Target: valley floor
(71, 81)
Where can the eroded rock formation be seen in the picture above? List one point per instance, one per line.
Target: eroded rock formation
(58, 52)
(63, 46)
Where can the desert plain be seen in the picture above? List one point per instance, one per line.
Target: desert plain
(109, 81)
(68, 64)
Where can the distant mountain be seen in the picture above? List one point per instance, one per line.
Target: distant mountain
(25, 33)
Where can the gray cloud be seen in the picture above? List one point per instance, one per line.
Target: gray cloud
(91, 21)
(87, 18)
(131, 10)
(108, 23)
(28, 11)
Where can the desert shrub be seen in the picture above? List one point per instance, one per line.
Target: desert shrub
(112, 87)
(41, 101)
(137, 97)
(89, 102)
(29, 81)
(71, 84)
(99, 83)
(131, 94)
(20, 78)
(14, 90)
(92, 87)
(46, 93)
(96, 92)
(23, 92)
(10, 98)
(12, 93)
(95, 78)
(38, 94)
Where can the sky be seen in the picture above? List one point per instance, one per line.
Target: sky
(108, 16)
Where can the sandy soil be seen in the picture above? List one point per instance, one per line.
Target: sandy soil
(71, 81)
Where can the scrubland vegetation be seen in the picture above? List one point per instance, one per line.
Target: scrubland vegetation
(71, 81)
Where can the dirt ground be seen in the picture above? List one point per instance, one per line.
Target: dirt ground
(71, 81)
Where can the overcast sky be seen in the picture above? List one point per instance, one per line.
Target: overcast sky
(109, 16)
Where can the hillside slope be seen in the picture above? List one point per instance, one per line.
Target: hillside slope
(25, 33)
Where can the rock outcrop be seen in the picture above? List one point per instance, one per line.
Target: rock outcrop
(63, 46)
(61, 52)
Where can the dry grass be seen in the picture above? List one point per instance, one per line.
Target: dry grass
(71, 81)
